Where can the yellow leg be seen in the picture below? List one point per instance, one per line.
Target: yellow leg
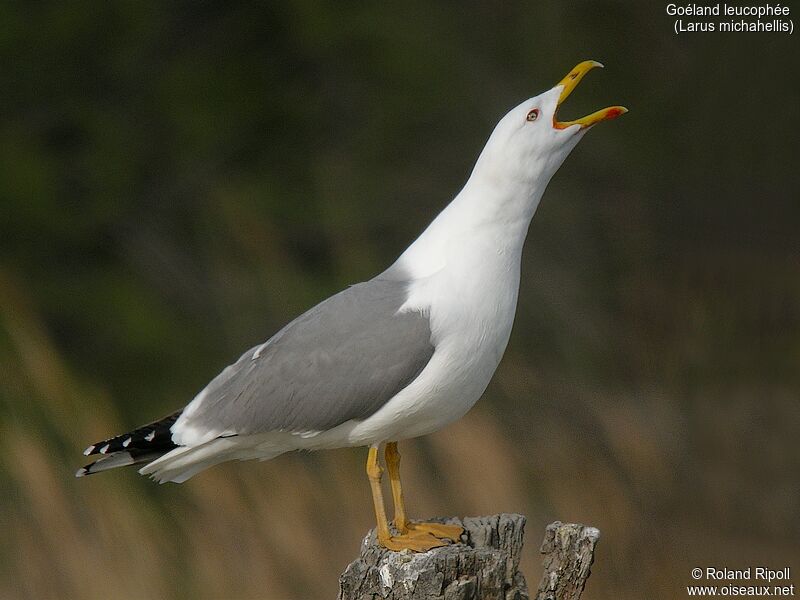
(401, 522)
(416, 543)
(392, 456)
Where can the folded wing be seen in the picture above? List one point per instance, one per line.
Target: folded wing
(341, 360)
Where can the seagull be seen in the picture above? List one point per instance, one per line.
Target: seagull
(389, 359)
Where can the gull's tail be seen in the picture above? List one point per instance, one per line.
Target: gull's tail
(144, 444)
(166, 461)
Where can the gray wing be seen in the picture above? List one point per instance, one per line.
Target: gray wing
(341, 360)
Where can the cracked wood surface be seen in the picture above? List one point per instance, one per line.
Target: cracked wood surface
(483, 566)
(568, 550)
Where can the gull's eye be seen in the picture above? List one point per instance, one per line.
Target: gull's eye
(532, 115)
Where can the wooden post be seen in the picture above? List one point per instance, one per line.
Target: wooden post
(484, 566)
(568, 555)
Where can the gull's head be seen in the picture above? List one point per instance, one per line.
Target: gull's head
(530, 142)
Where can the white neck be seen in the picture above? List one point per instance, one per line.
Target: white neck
(488, 217)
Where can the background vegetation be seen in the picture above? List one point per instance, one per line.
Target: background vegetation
(177, 180)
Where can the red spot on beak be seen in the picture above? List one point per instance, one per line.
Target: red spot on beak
(614, 113)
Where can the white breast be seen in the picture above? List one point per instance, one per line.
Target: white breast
(464, 274)
(470, 300)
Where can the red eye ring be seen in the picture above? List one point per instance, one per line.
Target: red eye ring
(532, 115)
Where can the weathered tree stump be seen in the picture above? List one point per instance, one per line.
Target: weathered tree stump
(568, 555)
(484, 566)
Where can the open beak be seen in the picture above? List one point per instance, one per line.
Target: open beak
(570, 82)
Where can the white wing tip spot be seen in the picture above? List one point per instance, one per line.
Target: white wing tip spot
(88, 451)
(127, 442)
(105, 448)
(150, 436)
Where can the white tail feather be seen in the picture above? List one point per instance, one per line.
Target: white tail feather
(184, 462)
(118, 459)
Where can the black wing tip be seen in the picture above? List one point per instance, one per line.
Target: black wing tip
(104, 447)
(140, 445)
(88, 469)
(154, 435)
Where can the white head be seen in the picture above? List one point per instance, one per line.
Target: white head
(529, 144)
(501, 196)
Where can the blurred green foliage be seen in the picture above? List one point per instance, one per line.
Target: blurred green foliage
(177, 180)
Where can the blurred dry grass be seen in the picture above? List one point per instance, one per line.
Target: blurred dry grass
(669, 489)
(180, 181)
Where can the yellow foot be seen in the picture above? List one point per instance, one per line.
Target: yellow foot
(437, 530)
(416, 542)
